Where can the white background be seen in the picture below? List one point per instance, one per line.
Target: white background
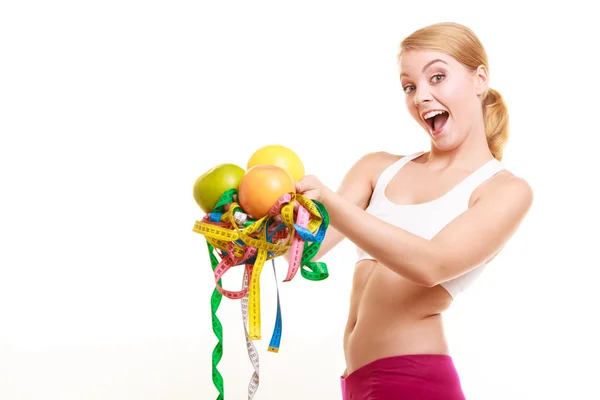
(110, 110)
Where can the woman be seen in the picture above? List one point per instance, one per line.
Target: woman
(425, 224)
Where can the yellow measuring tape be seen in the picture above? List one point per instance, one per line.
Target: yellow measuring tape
(239, 240)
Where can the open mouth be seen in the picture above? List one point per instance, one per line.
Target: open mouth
(436, 120)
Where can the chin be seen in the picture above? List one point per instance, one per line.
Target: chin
(445, 140)
(443, 145)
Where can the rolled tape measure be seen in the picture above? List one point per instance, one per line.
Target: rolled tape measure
(234, 239)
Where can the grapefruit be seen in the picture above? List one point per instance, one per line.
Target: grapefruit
(279, 156)
(261, 187)
(210, 186)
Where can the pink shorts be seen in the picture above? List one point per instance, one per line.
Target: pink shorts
(406, 377)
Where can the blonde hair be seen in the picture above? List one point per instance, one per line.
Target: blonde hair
(461, 43)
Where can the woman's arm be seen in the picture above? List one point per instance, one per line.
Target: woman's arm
(469, 240)
(355, 189)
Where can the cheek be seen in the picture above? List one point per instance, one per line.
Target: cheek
(462, 90)
(458, 99)
(409, 100)
(412, 109)
(454, 92)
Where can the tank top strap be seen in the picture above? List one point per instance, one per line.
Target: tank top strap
(388, 173)
(482, 174)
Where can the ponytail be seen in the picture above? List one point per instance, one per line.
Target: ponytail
(495, 114)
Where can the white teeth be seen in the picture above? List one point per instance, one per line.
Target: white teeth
(432, 114)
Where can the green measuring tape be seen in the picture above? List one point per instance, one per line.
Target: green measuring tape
(215, 301)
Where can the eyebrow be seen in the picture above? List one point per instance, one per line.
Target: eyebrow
(426, 66)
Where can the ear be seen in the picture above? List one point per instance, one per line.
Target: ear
(481, 80)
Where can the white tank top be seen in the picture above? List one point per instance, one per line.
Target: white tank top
(427, 219)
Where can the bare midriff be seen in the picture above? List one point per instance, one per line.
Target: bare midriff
(390, 315)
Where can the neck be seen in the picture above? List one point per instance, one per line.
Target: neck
(471, 153)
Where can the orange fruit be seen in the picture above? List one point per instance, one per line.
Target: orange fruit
(261, 187)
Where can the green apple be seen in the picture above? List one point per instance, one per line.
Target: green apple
(210, 186)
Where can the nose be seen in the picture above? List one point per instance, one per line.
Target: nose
(422, 95)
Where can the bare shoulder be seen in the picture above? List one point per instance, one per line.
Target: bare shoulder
(374, 163)
(510, 190)
(379, 158)
(360, 180)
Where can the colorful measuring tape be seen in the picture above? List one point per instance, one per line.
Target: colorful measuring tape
(239, 240)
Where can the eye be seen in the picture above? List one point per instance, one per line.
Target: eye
(437, 78)
(408, 88)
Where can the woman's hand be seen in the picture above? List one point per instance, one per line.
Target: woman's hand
(310, 186)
